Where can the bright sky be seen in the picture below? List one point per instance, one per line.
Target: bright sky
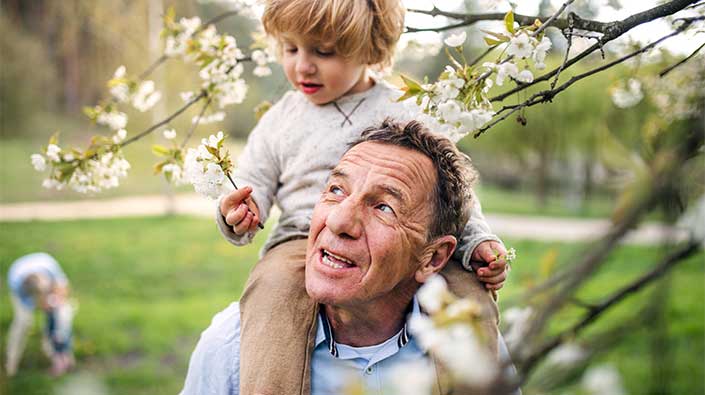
(684, 44)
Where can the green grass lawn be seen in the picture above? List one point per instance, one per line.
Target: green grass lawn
(148, 286)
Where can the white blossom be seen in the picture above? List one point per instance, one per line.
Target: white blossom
(602, 380)
(169, 134)
(53, 152)
(146, 96)
(212, 118)
(629, 96)
(455, 40)
(520, 46)
(416, 49)
(449, 111)
(187, 96)
(413, 378)
(68, 157)
(539, 55)
(119, 136)
(38, 162)
(449, 88)
(262, 71)
(511, 255)
(432, 294)
(115, 120)
(120, 72)
(174, 173)
(518, 321)
(567, 355)
(51, 183)
(506, 69)
(231, 93)
(207, 178)
(525, 76)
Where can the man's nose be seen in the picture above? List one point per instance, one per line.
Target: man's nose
(305, 65)
(345, 219)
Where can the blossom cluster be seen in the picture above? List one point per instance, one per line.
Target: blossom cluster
(451, 333)
(459, 98)
(208, 166)
(100, 167)
(172, 164)
(217, 56)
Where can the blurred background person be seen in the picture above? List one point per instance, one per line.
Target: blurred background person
(37, 281)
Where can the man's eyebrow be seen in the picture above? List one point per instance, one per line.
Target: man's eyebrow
(393, 191)
(337, 173)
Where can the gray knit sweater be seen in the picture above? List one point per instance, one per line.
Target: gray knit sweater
(296, 144)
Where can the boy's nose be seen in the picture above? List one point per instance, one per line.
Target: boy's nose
(305, 66)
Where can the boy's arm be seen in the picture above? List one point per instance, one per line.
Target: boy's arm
(257, 167)
(476, 231)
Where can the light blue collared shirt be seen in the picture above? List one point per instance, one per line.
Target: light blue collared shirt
(214, 367)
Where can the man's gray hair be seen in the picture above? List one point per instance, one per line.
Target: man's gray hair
(454, 171)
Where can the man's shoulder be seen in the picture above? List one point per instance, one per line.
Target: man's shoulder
(214, 367)
(224, 330)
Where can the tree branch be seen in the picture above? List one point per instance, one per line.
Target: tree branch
(658, 271)
(553, 17)
(548, 95)
(670, 68)
(615, 30)
(196, 122)
(164, 121)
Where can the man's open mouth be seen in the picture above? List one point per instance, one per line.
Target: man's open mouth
(335, 261)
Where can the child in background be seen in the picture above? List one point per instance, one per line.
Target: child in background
(36, 280)
(327, 49)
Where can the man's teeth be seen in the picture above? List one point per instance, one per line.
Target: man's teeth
(335, 265)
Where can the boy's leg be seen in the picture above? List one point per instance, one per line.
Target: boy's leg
(22, 318)
(464, 284)
(277, 324)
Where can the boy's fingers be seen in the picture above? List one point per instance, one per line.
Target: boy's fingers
(495, 279)
(254, 224)
(489, 272)
(244, 225)
(233, 199)
(494, 287)
(236, 215)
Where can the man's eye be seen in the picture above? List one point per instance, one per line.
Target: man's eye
(385, 208)
(335, 190)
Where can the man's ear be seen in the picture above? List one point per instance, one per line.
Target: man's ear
(435, 257)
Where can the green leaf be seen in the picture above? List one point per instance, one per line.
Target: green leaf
(159, 166)
(498, 36)
(509, 21)
(491, 42)
(160, 150)
(407, 94)
(213, 151)
(54, 139)
(411, 85)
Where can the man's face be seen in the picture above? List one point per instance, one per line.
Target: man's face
(369, 229)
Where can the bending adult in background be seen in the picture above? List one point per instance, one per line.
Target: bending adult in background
(37, 281)
(387, 221)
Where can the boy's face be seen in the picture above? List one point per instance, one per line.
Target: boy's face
(320, 73)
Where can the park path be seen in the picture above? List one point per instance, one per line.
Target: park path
(505, 225)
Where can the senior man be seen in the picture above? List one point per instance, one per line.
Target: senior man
(386, 222)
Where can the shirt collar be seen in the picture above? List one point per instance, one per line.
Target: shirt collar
(324, 332)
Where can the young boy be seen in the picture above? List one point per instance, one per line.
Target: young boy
(327, 49)
(36, 280)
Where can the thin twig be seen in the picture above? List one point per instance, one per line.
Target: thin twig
(569, 37)
(670, 68)
(481, 56)
(196, 122)
(164, 121)
(553, 17)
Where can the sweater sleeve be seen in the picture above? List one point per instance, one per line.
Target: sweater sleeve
(258, 167)
(475, 232)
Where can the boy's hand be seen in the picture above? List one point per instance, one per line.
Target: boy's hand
(488, 262)
(240, 211)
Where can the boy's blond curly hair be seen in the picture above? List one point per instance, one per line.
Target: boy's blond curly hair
(364, 30)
